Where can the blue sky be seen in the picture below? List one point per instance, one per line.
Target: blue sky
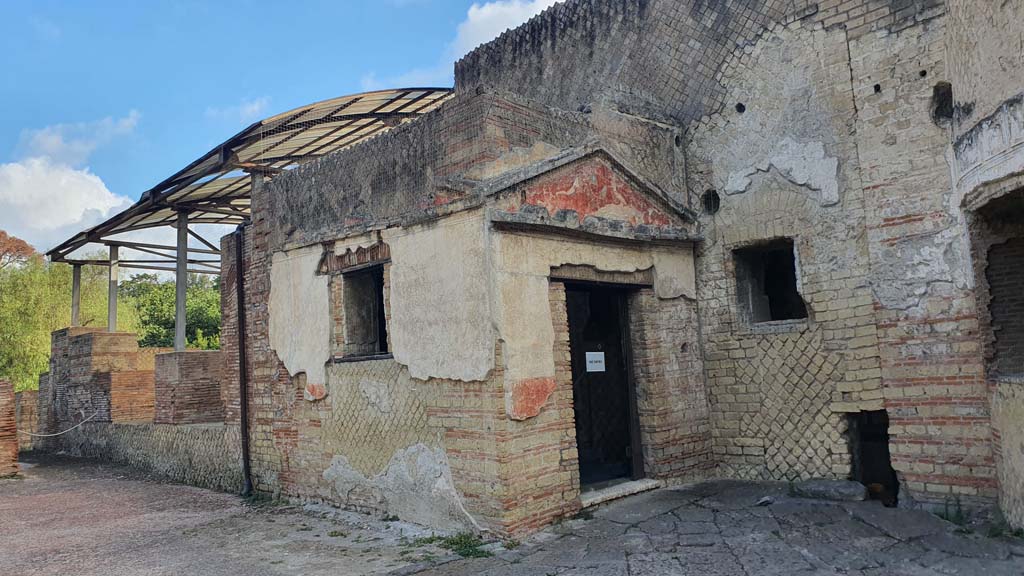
(103, 99)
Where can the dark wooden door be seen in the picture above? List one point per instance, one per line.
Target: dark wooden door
(606, 435)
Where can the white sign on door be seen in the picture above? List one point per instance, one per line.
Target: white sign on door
(595, 361)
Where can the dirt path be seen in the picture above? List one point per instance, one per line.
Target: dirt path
(74, 517)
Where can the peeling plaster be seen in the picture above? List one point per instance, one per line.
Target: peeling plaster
(803, 164)
(416, 486)
(354, 243)
(300, 314)
(376, 394)
(516, 158)
(919, 266)
(440, 299)
(522, 268)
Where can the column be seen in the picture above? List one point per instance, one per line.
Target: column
(112, 291)
(181, 283)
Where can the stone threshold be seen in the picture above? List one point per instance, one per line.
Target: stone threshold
(591, 498)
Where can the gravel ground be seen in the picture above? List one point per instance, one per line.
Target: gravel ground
(79, 517)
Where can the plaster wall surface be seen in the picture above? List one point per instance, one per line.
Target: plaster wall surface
(522, 267)
(985, 48)
(299, 325)
(440, 298)
(1007, 415)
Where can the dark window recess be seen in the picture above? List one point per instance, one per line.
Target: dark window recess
(766, 282)
(712, 202)
(366, 331)
(869, 448)
(942, 103)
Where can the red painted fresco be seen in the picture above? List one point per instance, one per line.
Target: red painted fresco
(593, 188)
(314, 392)
(529, 396)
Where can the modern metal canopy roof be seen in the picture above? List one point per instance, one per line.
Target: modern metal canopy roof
(216, 188)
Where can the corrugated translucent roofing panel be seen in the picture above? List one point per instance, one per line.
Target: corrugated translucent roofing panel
(214, 182)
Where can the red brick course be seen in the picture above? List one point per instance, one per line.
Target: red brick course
(26, 412)
(8, 431)
(188, 387)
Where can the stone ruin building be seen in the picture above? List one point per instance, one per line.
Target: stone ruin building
(641, 243)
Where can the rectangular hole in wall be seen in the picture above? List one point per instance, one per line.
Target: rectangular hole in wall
(364, 320)
(869, 448)
(766, 282)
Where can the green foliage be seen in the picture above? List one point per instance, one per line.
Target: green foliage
(154, 300)
(35, 300)
(467, 545)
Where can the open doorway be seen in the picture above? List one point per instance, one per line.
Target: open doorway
(604, 399)
(872, 465)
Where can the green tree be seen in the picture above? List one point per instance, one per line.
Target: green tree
(35, 300)
(154, 301)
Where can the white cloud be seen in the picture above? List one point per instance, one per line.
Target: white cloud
(44, 202)
(49, 194)
(483, 23)
(246, 111)
(487, 21)
(72, 144)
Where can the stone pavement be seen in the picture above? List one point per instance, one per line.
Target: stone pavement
(716, 529)
(73, 516)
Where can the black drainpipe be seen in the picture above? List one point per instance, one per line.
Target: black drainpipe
(243, 380)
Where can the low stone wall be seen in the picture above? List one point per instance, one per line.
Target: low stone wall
(8, 433)
(188, 387)
(1007, 415)
(205, 455)
(26, 415)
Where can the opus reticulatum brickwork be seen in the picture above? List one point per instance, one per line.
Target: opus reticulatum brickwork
(645, 240)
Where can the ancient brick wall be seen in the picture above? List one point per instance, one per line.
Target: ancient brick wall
(431, 167)
(205, 455)
(655, 58)
(8, 431)
(675, 419)
(932, 369)
(985, 67)
(229, 389)
(373, 422)
(436, 450)
(101, 375)
(26, 405)
(108, 378)
(1005, 276)
(405, 177)
(813, 122)
(188, 387)
(783, 162)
